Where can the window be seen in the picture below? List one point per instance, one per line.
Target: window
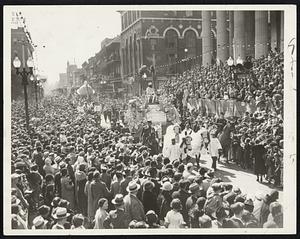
(171, 39)
(189, 13)
(190, 43)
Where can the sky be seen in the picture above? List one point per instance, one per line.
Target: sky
(69, 33)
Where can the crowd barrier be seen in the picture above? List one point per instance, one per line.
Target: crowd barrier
(230, 108)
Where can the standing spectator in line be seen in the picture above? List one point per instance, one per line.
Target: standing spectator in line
(115, 186)
(174, 218)
(80, 181)
(98, 190)
(88, 193)
(39, 223)
(37, 158)
(105, 176)
(149, 199)
(133, 206)
(265, 207)
(259, 160)
(165, 205)
(118, 218)
(214, 201)
(77, 222)
(49, 189)
(214, 148)
(35, 183)
(237, 209)
(197, 212)
(220, 216)
(101, 213)
(183, 195)
(60, 216)
(67, 188)
(275, 219)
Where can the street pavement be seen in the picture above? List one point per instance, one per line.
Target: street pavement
(244, 179)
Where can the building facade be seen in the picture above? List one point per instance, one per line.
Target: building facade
(166, 39)
(21, 48)
(103, 71)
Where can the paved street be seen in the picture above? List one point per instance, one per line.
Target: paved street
(244, 179)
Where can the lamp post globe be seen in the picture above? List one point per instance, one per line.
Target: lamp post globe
(230, 61)
(239, 61)
(17, 62)
(30, 62)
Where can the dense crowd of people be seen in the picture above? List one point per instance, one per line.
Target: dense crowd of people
(68, 172)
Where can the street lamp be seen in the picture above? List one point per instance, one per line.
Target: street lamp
(186, 56)
(36, 82)
(24, 74)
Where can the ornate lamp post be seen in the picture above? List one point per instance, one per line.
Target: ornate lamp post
(185, 58)
(24, 74)
(36, 82)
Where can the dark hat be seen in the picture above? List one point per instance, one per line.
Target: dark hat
(176, 204)
(55, 201)
(148, 185)
(118, 200)
(44, 210)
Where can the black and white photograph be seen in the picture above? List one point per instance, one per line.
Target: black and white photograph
(161, 119)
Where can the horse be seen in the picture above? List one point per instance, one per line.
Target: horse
(225, 139)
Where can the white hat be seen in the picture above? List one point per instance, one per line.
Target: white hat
(133, 186)
(61, 212)
(167, 186)
(38, 221)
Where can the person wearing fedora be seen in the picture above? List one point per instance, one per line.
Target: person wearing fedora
(60, 216)
(133, 206)
(118, 218)
(39, 223)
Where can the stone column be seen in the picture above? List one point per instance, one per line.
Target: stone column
(222, 36)
(206, 38)
(275, 30)
(122, 62)
(138, 54)
(239, 35)
(250, 33)
(133, 52)
(281, 31)
(261, 33)
(231, 33)
(141, 52)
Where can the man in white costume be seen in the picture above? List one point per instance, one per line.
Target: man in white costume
(173, 151)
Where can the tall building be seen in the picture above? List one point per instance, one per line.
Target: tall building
(166, 39)
(103, 71)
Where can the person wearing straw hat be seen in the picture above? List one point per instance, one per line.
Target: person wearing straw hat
(39, 223)
(117, 218)
(133, 206)
(60, 216)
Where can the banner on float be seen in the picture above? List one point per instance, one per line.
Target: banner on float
(228, 107)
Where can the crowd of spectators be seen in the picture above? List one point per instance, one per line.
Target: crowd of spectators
(69, 173)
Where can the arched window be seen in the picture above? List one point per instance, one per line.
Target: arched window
(190, 43)
(171, 40)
